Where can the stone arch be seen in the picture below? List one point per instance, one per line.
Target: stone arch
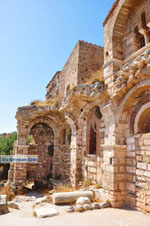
(120, 21)
(141, 111)
(43, 147)
(129, 109)
(46, 120)
(130, 96)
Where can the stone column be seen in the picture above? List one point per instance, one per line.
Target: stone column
(114, 172)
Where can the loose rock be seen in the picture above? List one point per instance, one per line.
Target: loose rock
(87, 207)
(83, 200)
(95, 205)
(69, 209)
(79, 208)
(104, 204)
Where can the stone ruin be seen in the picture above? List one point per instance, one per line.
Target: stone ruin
(95, 121)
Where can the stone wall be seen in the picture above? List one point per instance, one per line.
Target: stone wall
(90, 61)
(130, 41)
(52, 89)
(82, 66)
(143, 172)
(44, 147)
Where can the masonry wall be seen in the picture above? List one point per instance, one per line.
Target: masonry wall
(91, 60)
(143, 172)
(129, 41)
(52, 89)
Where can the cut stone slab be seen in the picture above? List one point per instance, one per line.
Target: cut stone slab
(40, 200)
(32, 198)
(3, 200)
(44, 211)
(71, 197)
(83, 200)
(13, 205)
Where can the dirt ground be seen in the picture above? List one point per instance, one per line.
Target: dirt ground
(102, 217)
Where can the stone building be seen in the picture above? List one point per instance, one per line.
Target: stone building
(95, 121)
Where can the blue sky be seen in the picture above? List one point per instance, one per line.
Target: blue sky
(36, 38)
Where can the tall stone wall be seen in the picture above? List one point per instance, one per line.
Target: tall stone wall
(82, 66)
(91, 60)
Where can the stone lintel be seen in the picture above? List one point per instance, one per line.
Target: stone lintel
(112, 60)
(105, 146)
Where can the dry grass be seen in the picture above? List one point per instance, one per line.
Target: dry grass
(98, 186)
(96, 199)
(49, 199)
(87, 183)
(34, 214)
(8, 191)
(97, 76)
(64, 188)
(49, 102)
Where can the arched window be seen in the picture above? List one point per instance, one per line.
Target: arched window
(144, 122)
(139, 39)
(93, 131)
(92, 143)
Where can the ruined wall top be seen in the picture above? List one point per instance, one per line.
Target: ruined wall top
(81, 67)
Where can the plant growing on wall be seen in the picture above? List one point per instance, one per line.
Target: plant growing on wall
(30, 139)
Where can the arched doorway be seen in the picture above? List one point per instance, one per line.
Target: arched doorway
(43, 146)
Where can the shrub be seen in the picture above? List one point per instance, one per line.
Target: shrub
(98, 80)
(7, 190)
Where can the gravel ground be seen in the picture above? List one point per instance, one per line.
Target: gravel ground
(103, 217)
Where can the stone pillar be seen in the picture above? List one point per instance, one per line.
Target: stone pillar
(20, 169)
(114, 171)
(114, 174)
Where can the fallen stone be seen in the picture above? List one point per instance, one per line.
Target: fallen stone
(83, 200)
(13, 205)
(29, 185)
(40, 200)
(87, 207)
(79, 208)
(95, 205)
(71, 197)
(69, 209)
(3, 200)
(44, 211)
(104, 204)
(3, 204)
(32, 198)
